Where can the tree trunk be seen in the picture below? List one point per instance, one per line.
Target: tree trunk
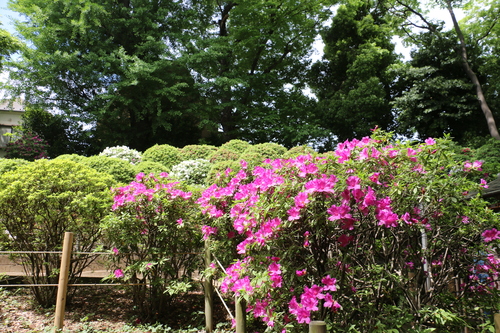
(492, 127)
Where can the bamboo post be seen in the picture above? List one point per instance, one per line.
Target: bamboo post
(209, 291)
(240, 309)
(63, 281)
(496, 317)
(317, 326)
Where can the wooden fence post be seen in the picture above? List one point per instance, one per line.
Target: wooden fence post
(209, 291)
(317, 326)
(496, 317)
(241, 316)
(63, 281)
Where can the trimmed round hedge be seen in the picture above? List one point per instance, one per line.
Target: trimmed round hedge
(165, 154)
(194, 152)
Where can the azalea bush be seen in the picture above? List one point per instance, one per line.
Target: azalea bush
(123, 152)
(378, 236)
(29, 147)
(155, 238)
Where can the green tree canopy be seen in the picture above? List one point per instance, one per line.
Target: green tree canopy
(8, 45)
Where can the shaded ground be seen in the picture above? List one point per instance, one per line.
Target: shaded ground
(99, 309)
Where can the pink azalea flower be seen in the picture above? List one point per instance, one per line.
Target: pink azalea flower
(329, 283)
(353, 183)
(374, 178)
(118, 273)
(301, 200)
(115, 251)
(387, 218)
(293, 213)
(179, 221)
(430, 141)
(490, 235)
(484, 183)
(344, 240)
(207, 231)
(301, 272)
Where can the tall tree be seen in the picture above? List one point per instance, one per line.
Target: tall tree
(113, 64)
(435, 96)
(250, 69)
(353, 81)
(417, 18)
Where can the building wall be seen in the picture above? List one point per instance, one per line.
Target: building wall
(10, 115)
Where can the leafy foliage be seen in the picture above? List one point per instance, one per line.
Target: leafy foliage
(11, 164)
(235, 145)
(299, 150)
(41, 200)
(219, 172)
(437, 97)
(63, 134)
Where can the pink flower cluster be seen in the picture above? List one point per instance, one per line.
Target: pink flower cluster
(144, 189)
(490, 235)
(310, 298)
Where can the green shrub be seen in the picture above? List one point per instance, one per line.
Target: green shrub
(224, 154)
(193, 172)
(254, 155)
(71, 157)
(10, 164)
(238, 146)
(123, 152)
(218, 171)
(194, 152)
(297, 151)
(121, 170)
(148, 167)
(164, 154)
(39, 202)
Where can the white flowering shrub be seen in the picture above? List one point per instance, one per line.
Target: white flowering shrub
(192, 172)
(123, 152)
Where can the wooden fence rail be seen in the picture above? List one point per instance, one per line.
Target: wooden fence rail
(240, 305)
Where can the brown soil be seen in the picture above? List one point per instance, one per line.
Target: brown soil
(98, 309)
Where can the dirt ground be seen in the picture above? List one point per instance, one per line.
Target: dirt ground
(98, 309)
